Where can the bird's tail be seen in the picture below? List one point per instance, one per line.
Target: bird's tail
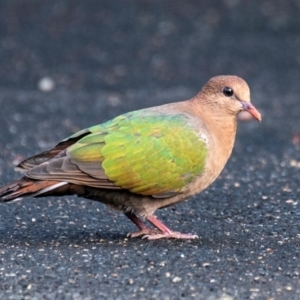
(27, 187)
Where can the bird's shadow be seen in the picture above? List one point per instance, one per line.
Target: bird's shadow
(57, 236)
(53, 235)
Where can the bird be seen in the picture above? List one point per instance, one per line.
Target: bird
(143, 160)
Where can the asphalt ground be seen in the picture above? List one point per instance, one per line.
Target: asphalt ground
(103, 58)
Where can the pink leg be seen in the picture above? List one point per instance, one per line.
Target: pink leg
(161, 231)
(165, 231)
(144, 230)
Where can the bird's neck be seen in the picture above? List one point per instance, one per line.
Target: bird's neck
(222, 126)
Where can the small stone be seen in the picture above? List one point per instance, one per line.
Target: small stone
(114, 100)
(294, 163)
(46, 84)
(176, 279)
(291, 201)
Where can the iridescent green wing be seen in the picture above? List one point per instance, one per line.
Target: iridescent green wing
(146, 154)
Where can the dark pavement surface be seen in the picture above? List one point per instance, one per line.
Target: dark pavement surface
(109, 57)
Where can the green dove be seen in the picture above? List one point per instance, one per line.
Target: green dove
(143, 160)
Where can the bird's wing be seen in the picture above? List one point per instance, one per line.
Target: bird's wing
(154, 155)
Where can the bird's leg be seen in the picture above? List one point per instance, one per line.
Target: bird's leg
(165, 232)
(144, 230)
(160, 231)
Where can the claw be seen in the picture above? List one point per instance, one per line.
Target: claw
(171, 235)
(160, 232)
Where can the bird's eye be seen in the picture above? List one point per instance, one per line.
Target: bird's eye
(227, 91)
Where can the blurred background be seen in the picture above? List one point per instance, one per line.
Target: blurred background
(115, 56)
(69, 64)
(123, 45)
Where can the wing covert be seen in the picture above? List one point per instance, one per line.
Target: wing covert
(148, 155)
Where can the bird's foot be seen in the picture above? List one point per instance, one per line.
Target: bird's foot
(144, 232)
(160, 232)
(171, 235)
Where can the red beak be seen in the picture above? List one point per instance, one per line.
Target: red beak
(247, 106)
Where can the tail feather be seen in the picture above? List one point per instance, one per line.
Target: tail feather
(27, 187)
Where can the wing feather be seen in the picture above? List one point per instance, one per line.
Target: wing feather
(147, 154)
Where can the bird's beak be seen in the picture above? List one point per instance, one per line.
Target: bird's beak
(248, 106)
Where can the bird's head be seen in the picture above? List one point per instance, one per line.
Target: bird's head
(230, 94)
